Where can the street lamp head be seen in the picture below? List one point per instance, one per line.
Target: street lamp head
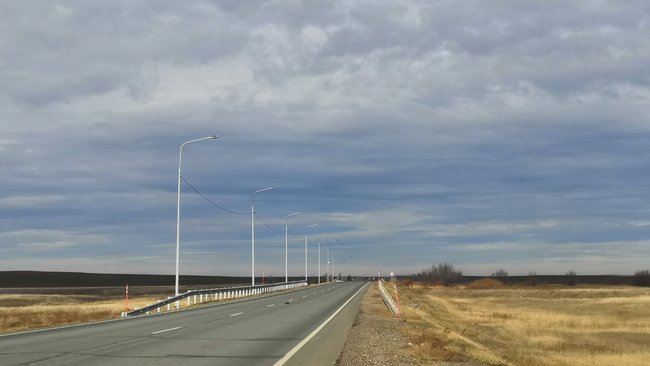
(265, 189)
(201, 139)
(312, 225)
(295, 213)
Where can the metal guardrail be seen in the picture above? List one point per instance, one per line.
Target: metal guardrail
(215, 294)
(388, 300)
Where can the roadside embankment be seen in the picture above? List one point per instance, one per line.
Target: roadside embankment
(380, 338)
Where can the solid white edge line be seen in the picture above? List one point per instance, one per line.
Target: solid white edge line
(166, 330)
(311, 335)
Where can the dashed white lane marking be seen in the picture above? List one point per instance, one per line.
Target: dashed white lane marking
(268, 306)
(166, 330)
(235, 314)
(304, 296)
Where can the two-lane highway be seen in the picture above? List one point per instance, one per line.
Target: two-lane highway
(253, 332)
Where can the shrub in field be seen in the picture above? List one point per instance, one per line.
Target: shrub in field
(642, 278)
(500, 273)
(485, 284)
(571, 278)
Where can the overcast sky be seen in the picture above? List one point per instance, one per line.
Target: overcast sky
(500, 134)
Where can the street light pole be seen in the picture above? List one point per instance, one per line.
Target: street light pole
(178, 204)
(253, 231)
(327, 265)
(286, 245)
(332, 256)
(329, 268)
(310, 226)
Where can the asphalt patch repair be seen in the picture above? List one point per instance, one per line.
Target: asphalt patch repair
(377, 337)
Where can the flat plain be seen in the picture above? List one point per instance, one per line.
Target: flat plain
(529, 325)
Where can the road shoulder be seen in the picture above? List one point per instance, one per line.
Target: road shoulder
(325, 347)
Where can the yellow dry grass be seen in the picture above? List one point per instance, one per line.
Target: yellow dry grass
(24, 312)
(534, 325)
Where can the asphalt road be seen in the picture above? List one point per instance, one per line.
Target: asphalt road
(253, 332)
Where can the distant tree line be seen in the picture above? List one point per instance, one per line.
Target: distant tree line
(642, 278)
(442, 273)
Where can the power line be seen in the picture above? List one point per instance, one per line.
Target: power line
(230, 211)
(267, 226)
(210, 201)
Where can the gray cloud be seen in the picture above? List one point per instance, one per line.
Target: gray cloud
(414, 132)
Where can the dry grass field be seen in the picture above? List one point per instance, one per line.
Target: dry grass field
(540, 325)
(23, 312)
